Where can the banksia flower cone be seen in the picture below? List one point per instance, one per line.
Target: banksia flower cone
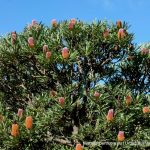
(110, 115)
(61, 101)
(144, 51)
(128, 99)
(106, 33)
(14, 37)
(48, 55)
(121, 34)
(31, 42)
(96, 94)
(119, 24)
(65, 53)
(72, 23)
(34, 23)
(14, 129)
(45, 49)
(54, 23)
(121, 136)
(19, 114)
(53, 93)
(29, 122)
(146, 110)
(79, 147)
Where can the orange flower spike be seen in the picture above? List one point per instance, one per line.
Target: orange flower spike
(121, 136)
(29, 122)
(119, 24)
(121, 34)
(31, 42)
(146, 110)
(128, 99)
(79, 147)
(110, 115)
(65, 53)
(14, 129)
(54, 23)
(20, 112)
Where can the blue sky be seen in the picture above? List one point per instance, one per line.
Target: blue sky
(15, 14)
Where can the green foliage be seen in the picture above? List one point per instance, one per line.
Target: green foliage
(81, 120)
(59, 93)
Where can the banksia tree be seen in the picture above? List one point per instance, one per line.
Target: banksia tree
(80, 82)
(82, 55)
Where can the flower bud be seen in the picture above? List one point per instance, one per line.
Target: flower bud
(110, 115)
(31, 42)
(19, 114)
(14, 35)
(34, 23)
(96, 94)
(146, 110)
(119, 24)
(121, 136)
(45, 48)
(73, 21)
(79, 147)
(65, 53)
(14, 129)
(128, 99)
(121, 34)
(61, 101)
(48, 55)
(29, 122)
(53, 93)
(71, 25)
(106, 33)
(54, 23)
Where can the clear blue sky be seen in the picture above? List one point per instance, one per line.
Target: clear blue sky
(15, 14)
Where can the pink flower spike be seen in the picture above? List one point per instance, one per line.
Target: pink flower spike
(61, 101)
(121, 30)
(29, 26)
(121, 136)
(31, 42)
(48, 55)
(65, 50)
(96, 94)
(71, 25)
(20, 111)
(34, 22)
(73, 21)
(121, 133)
